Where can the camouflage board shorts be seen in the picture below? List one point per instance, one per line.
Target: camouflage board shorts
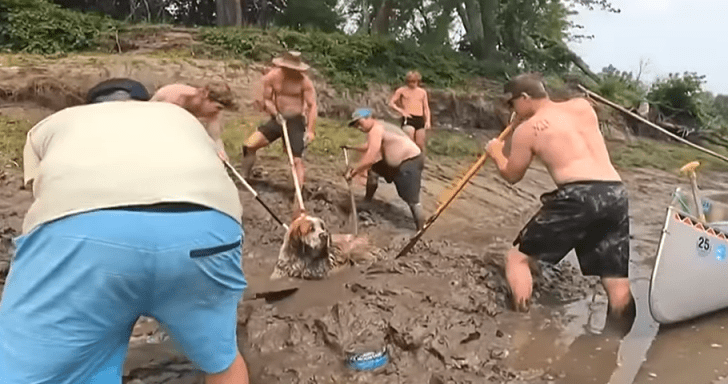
(588, 216)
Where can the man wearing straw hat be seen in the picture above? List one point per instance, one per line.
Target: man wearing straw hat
(288, 94)
(588, 211)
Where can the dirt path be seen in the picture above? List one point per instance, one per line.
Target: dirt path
(441, 309)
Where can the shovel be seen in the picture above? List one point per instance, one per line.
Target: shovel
(459, 187)
(251, 190)
(296, 184)
(354, 216)
(270, 296)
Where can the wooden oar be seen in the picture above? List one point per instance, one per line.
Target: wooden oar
(689, 168)
(296, 183)
(649, 123)
(459, 187)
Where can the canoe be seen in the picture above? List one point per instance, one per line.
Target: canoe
(691, 269)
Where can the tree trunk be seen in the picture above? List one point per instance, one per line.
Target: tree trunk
(365, 18)
(228, 12)
(380, 25)
(470, 11)
(579, 62)
(489, 12)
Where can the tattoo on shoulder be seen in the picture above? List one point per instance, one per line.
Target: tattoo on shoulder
(540, 126)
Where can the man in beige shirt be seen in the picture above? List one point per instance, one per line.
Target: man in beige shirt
(589, 210)
(134, 214)
(391, 154)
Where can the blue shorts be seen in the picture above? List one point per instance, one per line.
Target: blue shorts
(77, 286)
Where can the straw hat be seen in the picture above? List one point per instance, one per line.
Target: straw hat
(291, 60)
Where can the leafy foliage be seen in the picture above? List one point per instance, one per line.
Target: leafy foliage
(678, 97)
(38, 26)
(310, 14)
(621, 87)
(352, 60)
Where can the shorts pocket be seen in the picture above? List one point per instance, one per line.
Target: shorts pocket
(222, 267)
(210, 251)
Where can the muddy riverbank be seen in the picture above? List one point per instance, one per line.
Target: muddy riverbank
(442, 309)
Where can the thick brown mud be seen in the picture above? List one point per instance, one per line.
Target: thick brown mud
(442, 310)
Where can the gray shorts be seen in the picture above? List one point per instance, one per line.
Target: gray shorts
(407, 177)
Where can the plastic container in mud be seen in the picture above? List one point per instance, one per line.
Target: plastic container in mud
(367, 358)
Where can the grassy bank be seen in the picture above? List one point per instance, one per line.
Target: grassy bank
(12, 141)
(331, 134)
(647, 153)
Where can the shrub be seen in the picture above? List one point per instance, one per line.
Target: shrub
(38, 26)
(351, 60)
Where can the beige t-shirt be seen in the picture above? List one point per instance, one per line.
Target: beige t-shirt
(123, 153)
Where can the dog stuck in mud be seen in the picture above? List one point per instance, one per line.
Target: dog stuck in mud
(310, 251)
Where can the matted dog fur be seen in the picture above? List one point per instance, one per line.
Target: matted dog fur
(310, 251)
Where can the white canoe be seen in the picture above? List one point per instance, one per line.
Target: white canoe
(690, 275)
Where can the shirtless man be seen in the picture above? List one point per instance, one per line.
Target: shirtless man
(390, 154)
(411, 102)
(205, 103)
(287, 93)
(588, 212)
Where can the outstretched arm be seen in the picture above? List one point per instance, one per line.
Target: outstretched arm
(214, 129)
(426, 108)
(268, 102)
(374, 144)
(393, 102)
(309, 97)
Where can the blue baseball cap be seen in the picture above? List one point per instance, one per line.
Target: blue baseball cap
(359, 113)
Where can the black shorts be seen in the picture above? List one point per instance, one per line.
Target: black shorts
(590, 217)
(296, 131)
(407, 177)
(416, 122)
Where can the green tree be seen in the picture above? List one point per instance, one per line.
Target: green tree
(317, 14)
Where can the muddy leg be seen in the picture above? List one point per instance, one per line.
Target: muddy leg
(237, 373)
(418, 215)
(254, 143)
(518, 274)
(622, 308)
(372, 185)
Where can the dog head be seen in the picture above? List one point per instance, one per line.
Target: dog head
(306, 249)
(309, 232)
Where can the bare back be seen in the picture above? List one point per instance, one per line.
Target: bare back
(396, 146)
(286, 92)
(180, 94)
(567, 139)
